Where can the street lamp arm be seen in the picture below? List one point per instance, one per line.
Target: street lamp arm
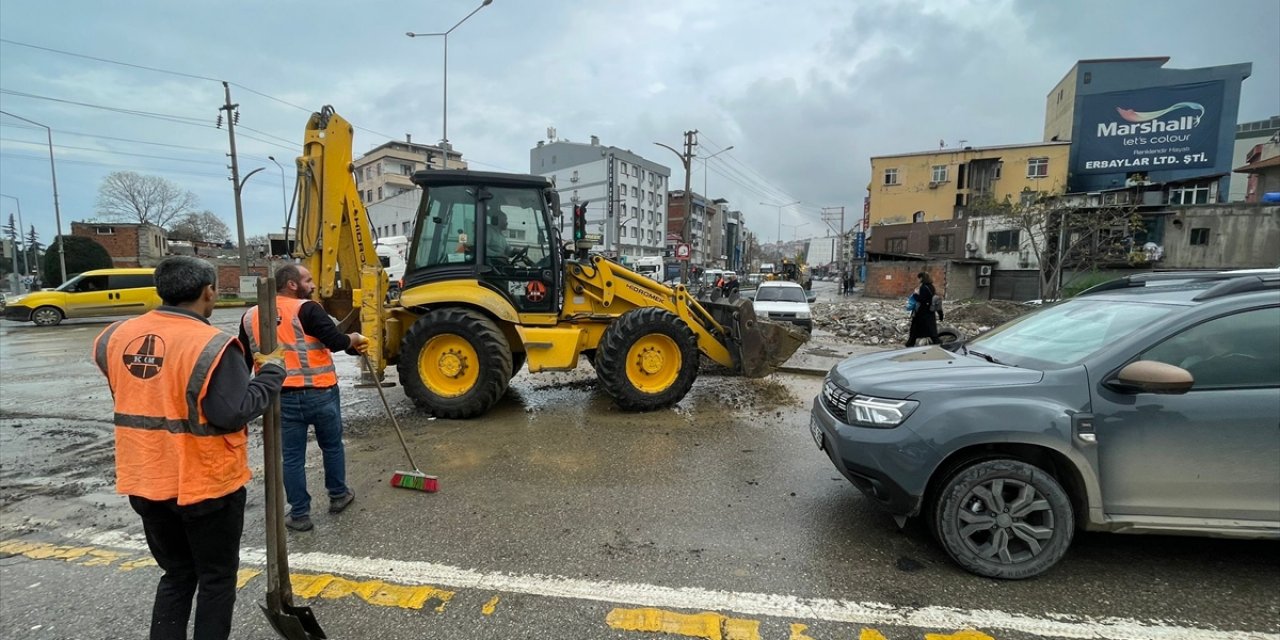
(683, 161)
(246, 177)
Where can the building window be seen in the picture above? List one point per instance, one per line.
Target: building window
(939, 173)
(1189, 194)
(891, 176)
(942, 244)
(896, 245)
(999, 170)
(404, 228)
(406, 169)
(1028, 197)
(379, 165)
(635, 193)
(379, 193)
(1200, 236)
(1037, 167)
(104, 231)
(622, 167)
(1007, 240)
(917, 216)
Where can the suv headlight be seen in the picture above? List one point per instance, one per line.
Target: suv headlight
(882, 413)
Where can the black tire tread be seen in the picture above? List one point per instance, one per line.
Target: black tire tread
(611, 366)
(492, 349)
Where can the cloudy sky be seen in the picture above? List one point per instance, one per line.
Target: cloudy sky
(805, 91)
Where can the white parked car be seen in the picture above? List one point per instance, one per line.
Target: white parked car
(784, 301)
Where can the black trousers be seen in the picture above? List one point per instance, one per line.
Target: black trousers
(196, 545)
(924, 324)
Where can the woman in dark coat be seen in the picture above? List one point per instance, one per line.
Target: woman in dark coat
(923, 322)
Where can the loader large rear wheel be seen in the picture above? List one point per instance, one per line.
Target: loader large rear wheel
(455, 363)
(647, 359)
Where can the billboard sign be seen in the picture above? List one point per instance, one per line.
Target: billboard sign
(1154, 129)
(860, 245)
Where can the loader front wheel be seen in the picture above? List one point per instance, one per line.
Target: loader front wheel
(647, 359)
(455, 363)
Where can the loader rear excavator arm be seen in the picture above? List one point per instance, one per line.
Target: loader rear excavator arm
(334, 237)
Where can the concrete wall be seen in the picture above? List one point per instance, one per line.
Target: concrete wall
(916, 190)
(1059, 107)
(1240, 237)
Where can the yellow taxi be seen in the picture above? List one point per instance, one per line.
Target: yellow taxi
(92, 294)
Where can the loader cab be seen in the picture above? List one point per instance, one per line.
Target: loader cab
(490, 227)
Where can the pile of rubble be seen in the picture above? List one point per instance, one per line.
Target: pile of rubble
(876, 321)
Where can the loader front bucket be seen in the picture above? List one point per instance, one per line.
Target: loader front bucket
(761, 346)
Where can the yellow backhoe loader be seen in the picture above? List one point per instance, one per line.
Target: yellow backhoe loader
(489, 286)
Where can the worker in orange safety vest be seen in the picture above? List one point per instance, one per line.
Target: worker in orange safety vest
(183, 395)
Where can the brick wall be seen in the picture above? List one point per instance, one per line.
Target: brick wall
(898, 279)
(229, 275)
(128, 244)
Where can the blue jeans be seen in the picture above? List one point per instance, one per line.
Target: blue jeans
(298, 410)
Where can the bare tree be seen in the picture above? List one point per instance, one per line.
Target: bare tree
(1064, 231)
(203, 226)
(126, 196)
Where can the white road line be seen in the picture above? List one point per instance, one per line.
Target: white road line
(648, 595)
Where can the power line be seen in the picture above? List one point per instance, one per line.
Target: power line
(175, 73)
(133, 112)
(157, 144)
(45, 159)
(107, 151)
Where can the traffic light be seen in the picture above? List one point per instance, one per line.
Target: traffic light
(579, 221)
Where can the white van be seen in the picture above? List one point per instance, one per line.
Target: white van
(391, 253)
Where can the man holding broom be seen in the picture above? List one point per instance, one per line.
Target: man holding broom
(307, 335)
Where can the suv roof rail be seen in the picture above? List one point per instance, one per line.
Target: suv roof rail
(1141, 279)
(1240, 284)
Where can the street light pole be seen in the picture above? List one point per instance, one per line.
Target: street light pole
(780, 208)
(705, 159)
(284, 200)
(444, 133)
(57, 213)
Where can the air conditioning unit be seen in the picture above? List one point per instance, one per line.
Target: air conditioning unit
(971, 246)
(984, 282)
(984, 270)
(934, 185)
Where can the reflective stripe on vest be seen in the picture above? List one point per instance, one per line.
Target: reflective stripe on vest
(158, 366)
(307, 362)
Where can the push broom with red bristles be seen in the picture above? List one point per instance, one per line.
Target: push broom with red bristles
(416, 479)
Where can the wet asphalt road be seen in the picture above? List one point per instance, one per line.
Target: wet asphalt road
(725, 494)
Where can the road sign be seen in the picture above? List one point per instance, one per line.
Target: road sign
(593, 238)
(683, 251)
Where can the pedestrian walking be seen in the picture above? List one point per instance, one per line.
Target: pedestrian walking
(925, 316)
(182, 395)
(310, 396)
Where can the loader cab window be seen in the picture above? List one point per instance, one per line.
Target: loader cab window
(446, 228)
(519, 257)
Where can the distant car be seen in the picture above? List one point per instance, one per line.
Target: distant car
(102, 292)
(1144, 405)
(784, 301)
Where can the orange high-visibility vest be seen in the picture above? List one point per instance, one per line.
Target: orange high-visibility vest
(307, 362)
(158, 366)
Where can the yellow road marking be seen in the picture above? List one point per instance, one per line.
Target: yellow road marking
(707, 625)
(968, 634)
(243, 577)
(798, 632)
(375, 592)
(138, 563)
(871, 634)
(490, 606)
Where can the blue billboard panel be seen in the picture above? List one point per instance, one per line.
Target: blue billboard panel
(860, 245)
(1154, 129)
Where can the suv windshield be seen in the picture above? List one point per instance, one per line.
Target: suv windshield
(780, 294)
(1067, 333)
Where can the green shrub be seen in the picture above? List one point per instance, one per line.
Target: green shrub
(83, 254)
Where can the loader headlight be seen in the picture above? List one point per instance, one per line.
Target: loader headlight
(881, 413)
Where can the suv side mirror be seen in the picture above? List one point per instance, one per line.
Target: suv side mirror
(1150, 376)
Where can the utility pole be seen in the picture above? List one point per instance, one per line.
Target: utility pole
(686, 158)
(232, 116)
(828, 216)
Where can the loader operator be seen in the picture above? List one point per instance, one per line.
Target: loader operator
(182, 396)
(497, 250)
(310, 395)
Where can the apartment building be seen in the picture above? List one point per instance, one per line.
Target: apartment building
(939, 185)
(626, 194)
(385, 171)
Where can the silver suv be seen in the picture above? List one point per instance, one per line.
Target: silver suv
(1150, 404)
